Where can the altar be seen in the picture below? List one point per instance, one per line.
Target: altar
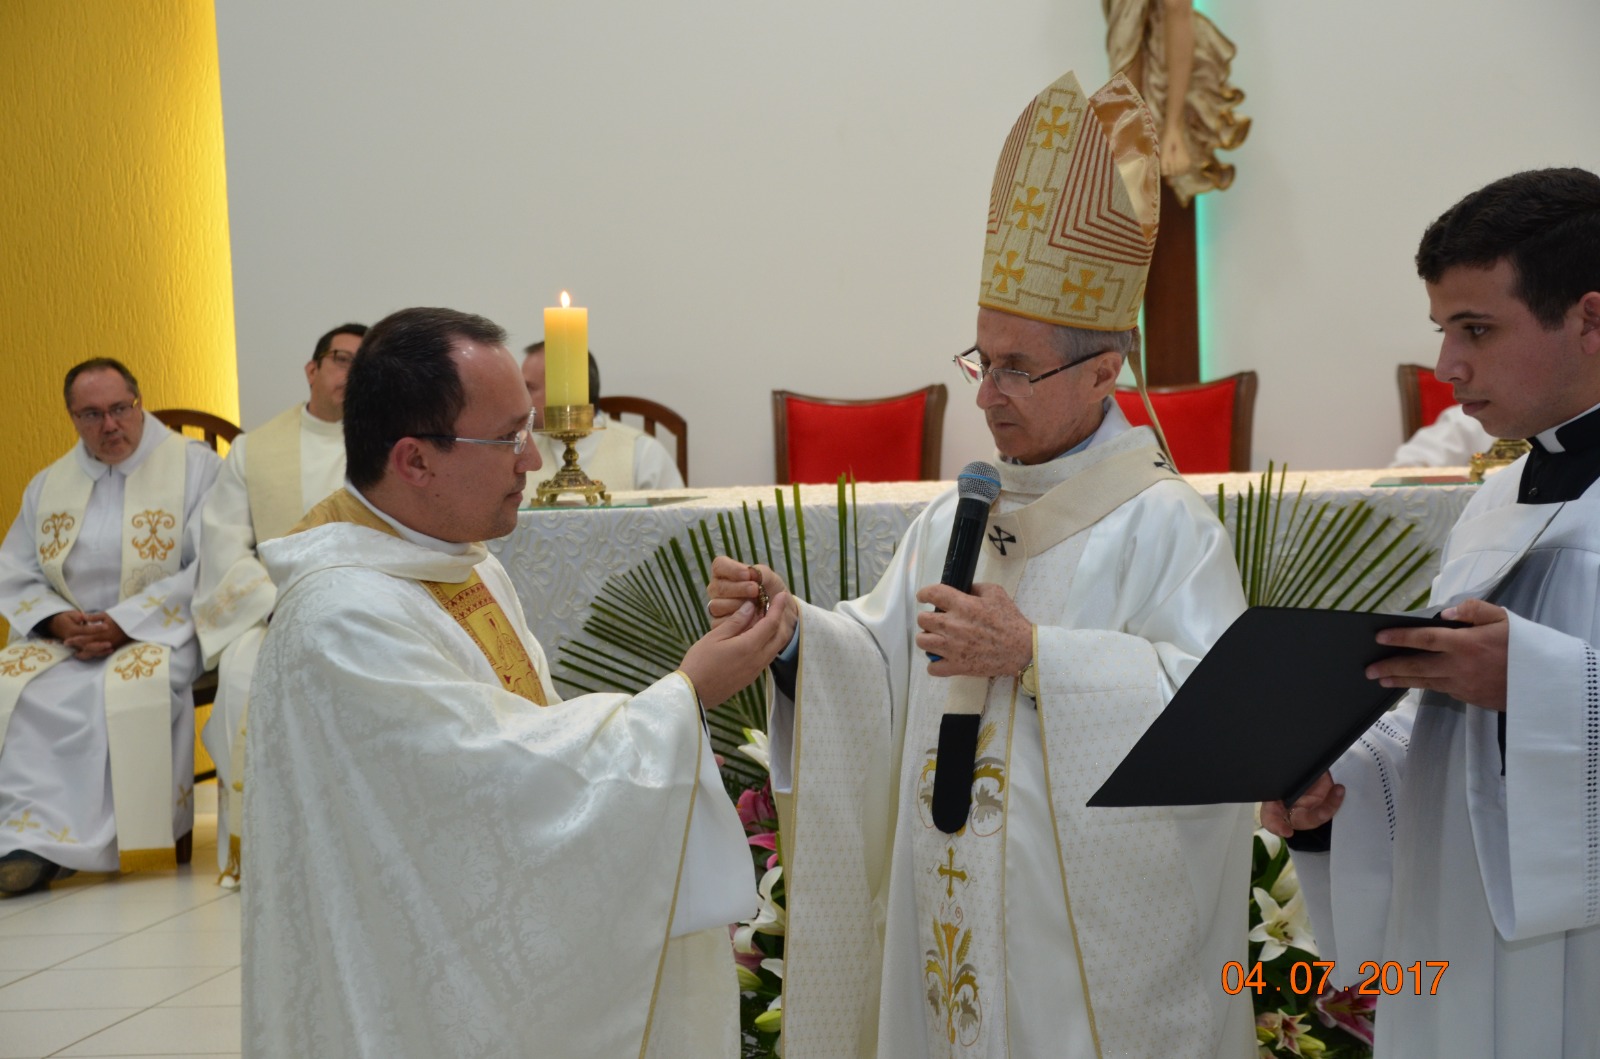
(560, 558)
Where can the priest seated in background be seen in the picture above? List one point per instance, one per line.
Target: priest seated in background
(621, 456)
(1038, 927)
(1463, 832)
(96, 713)
(270, 479)
(1449, 441)
(444, 858)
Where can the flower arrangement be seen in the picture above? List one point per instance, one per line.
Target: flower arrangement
(1291, 1018)
(758, 942)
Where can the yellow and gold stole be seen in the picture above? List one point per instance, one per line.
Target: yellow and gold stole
(469, 602)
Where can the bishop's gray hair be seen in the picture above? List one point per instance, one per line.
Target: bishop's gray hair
(1078, 344)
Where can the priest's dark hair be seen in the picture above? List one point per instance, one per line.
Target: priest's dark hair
(403, 384)
(594, 369)
(97, 364)
(325, 343)
(1546, 222)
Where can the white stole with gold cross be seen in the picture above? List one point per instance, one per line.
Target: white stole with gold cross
(964, 936)
(137, 689)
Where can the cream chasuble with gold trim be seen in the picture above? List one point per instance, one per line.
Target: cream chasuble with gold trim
(492, 875)
(1042, 927)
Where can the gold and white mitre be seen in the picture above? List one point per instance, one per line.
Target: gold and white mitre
(1074, 208)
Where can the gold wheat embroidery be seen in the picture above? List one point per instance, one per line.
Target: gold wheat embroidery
(154, 546)
(952, 981)
(141, 662)
(23, 658)
(57, 524)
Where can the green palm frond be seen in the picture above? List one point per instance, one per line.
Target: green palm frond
(643, 621)
(1317, 554)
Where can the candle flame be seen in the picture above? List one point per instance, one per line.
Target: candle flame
(566, 302)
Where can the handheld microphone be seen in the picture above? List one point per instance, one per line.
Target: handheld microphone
(977, 486)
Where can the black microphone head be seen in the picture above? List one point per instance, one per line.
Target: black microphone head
(978, 481)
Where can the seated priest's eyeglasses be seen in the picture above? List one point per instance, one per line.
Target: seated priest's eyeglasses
(518, 440)
(91, 417)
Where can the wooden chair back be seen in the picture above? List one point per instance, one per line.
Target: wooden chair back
(654, 414)
(213, 430)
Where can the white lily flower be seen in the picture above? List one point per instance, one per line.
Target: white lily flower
(1282, 926)
(756, 749)
(1288, 883)
(770, 917)
(1272, 842)
(773, 965)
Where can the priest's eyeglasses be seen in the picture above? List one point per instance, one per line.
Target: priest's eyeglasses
(518, 441)
(1009, 381)
(92, 417)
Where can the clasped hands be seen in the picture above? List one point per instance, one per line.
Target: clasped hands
(90, 635)
(982, 634)
(1467, 664)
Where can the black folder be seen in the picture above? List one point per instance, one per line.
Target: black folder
(1269, 708)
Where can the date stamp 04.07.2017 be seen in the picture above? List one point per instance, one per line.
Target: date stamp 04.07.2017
(1311, 978)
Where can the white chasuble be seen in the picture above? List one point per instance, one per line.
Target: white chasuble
(1446, 852)
(438, 866)
(1042, 927)
(272, 477)
(96, 768)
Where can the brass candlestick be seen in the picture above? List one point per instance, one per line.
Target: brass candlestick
(1502, 452)
(569, 423)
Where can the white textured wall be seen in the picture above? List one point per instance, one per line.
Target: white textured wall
(751, 195)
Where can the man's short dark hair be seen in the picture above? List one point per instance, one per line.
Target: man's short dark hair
(404, 384)
(1546, 222)
(97, 364)
(594, 368)
(325, 343)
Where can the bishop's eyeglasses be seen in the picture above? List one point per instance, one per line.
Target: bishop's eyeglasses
(517, 440)
(1009, 381)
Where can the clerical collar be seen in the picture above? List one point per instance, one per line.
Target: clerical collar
(320, 426)
(1564, 462)
(421, 540)
(155, 432)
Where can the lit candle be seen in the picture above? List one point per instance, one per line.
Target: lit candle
(566, 354)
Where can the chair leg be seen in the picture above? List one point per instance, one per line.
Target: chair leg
(185, 847)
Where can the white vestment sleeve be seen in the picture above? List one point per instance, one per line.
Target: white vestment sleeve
(653, 465)
(1544, 876)
(1347, 890)
(228, 557)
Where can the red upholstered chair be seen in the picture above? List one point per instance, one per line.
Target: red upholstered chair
(1422, 397)
(881, 439)
(1207, 423)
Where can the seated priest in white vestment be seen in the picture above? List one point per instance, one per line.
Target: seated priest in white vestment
(1038, 927)
(621, 456)
(1466, 845)
(444, 858)
(96, 713)
(1449, 441)
(271, 478)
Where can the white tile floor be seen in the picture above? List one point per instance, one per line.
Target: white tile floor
(134, 965)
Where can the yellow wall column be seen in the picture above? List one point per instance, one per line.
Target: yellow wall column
(113, 214)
